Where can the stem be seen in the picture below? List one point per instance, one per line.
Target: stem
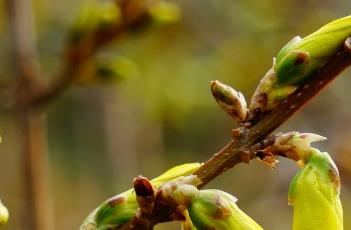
(234, 152)
(238, 150)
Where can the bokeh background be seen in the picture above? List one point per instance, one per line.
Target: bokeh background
(161, 113)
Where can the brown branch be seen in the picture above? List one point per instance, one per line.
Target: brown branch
(35, 207)
(23, 38)
(234, 152)
(242, 148)
(24, 52)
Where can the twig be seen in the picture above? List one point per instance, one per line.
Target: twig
(240, 149)
(135, 16)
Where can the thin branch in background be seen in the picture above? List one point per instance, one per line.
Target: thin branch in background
(28, 94)
(135, 16)
(23, 45)
(36, 206)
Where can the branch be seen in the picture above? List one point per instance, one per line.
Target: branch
(243, 148)
(23, 48)
(23, 38)
(32, 139)
(135, 16)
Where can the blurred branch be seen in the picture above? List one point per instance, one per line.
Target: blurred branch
(36, 208)
(134, 16)
(254, 137)
(24, 50)
(28, 91)
(23, 39)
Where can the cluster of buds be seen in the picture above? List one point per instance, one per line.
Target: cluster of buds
(313, 192)
(118, 210)
(297, 61)
(205, 209)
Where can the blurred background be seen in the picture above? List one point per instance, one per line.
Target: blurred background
(160, 112)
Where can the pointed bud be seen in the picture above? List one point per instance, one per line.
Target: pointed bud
(215, 209)
(145, 194)
(314, 194)
(230, 100)
(259, 100)
(296, 146)
(4, 214)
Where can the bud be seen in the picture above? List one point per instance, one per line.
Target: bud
(84, 24)
(297, 146)
(105, 70)
(300, 58)
(314, 194)
(109, 16)
(230, 100)
(267, 94)
(314, 191)
(145, 194)
(92, 17)
(215, 209)
(165, 12)
(4, 214)
(118, 210)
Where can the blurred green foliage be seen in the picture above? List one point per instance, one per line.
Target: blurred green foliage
(162, 113)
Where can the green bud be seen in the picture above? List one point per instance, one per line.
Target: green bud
(104, 70)
(119, 209)
(85, 23)
(109, 15)
(230, 100)
(314, 191)
(92, 17)
(268, 94)
(215, 209)
(314, 194)
(4, 214)
(165, 12)
(113, 69)
(300, 58)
